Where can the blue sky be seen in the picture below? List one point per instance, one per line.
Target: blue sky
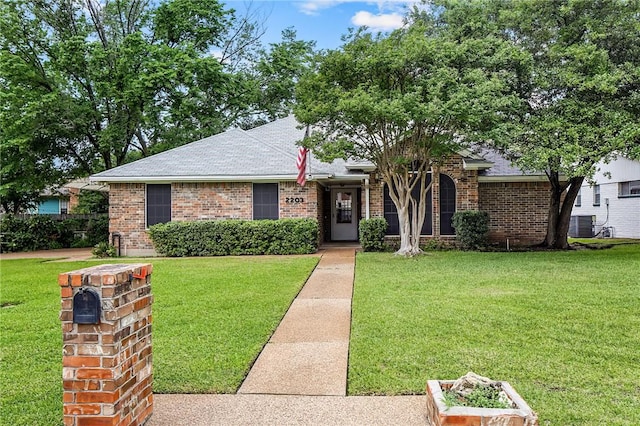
(324, 21)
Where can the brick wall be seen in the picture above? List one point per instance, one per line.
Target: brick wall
(107, 367)
(74, 199)
(199, 201)
(211, 200)
(297, 201)
(467, 196)
(127, 217)
(376, 208)
(517, 211)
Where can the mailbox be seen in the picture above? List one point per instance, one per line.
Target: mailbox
(86, 306)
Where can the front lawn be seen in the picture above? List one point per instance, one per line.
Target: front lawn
(211, 318)
(562, 327)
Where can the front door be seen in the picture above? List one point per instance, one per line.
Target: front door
(344, 214)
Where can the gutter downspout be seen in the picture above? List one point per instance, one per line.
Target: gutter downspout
(366, 198)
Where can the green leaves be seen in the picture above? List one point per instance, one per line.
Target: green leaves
(409, 97)
(94, 84)
(235, 237)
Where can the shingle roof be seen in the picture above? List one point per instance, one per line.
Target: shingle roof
(501, 166)
(264, 152)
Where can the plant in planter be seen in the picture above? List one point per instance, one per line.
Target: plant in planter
(475, 400)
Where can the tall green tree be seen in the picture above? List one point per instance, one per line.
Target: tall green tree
(403, 101)
(582, 98)
(95, 83)
(279, 69)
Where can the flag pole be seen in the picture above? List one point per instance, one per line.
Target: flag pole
(308, 171)
(301, 161)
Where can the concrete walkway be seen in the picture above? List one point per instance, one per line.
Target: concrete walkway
(308, 353)
(64, 255)
(300, 377)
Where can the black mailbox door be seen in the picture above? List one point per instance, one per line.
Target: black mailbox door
(86, 306)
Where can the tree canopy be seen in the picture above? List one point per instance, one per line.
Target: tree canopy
(403, 101)
(86, 84)
(582, 98)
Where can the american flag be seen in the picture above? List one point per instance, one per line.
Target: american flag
(301, 164)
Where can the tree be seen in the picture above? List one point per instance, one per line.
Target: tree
(278, 70)
(96, 83)
(26, 168)
(582, 98)
(404, 102)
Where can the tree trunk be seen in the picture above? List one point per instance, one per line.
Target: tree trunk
(410, 212)
(560, 209)
(407, 248)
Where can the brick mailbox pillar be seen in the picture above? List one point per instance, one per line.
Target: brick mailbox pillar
(107, 361)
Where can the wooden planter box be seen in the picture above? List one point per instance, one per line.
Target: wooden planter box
(440, 415)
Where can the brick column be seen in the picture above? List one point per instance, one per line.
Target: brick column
(107, 367)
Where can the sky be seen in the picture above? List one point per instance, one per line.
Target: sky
(324, 21)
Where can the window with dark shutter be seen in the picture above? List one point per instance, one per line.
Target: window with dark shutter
(158, 204)
(447, 204)
(265, 201)
(391, 213)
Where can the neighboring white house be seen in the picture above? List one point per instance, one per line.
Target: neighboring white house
(612, 202)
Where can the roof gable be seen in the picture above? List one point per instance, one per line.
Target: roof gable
(267, 152)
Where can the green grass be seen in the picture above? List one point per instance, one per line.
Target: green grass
(596, 242)
(211, 319)
(562, 327)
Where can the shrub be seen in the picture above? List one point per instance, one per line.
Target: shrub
(97, 230)
(372, 233)
(104, 249)
(472, 228)
(437, 244)
(35, 233)
(42, 232)
(235, 237)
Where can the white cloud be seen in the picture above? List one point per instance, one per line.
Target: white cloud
(379, 22)
(313, 7)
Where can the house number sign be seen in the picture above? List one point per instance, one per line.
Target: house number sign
(294, 200)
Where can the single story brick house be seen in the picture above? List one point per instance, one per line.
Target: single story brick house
(252, 174)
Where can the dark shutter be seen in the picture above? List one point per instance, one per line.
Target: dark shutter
(158, 204)
(447, 204)
(265, 201)
(391, 213)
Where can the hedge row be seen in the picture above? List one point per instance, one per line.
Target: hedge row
(44, 233)
(235, 237)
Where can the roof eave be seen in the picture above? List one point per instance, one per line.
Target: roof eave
(476, 164)
(513, 178)
(224, 178)
(364, 167)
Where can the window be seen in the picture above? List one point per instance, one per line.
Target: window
(64, 206)
(344, 211)
(447, 204)
(158, 204)
(391, 213)
(579, 198)
(265, 201)
(596, 195)
(629, 189)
